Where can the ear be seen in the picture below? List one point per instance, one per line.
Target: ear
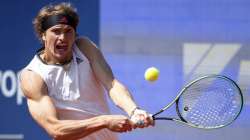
(43, 37)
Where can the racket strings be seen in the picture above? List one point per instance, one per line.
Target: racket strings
(210, 103)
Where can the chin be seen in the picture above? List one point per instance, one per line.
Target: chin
(61, 57)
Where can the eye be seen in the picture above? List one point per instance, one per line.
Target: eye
(56, 31)
(68, 31)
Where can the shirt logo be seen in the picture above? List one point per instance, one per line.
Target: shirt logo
(78, 60)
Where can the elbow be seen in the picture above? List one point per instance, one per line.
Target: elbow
(53, 128)
(55, 134)
(58, 133)
(54, 131)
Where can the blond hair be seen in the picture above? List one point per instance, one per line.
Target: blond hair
(49, 10)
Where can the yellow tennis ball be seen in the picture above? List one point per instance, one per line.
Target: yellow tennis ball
(151, 74)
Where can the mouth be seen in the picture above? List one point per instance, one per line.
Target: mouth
(61, 47)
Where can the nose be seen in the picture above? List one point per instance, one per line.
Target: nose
(61, 36)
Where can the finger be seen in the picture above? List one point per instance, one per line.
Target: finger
(138, 120)
(146, 120)
(130, 129)
(129, 125)
(146, 123)
(152, 120)
(133, 124)
(140, 123)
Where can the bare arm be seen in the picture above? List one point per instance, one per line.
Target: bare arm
(44, 113)
(117, 91)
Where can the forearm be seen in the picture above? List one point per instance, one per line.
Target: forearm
(118, 93)
(75, 129)
(121, 97)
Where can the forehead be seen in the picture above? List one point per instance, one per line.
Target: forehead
(61, 26)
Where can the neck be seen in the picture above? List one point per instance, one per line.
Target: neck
(53, 61)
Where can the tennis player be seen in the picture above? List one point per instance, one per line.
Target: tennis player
(66, 81)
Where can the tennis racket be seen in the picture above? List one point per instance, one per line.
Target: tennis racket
(209, 102)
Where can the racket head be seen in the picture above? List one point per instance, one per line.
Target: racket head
(209, 102)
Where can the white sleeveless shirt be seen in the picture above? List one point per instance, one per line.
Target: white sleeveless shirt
(75, 91)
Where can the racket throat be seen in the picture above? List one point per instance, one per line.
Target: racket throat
(164, 118)
(171, 119)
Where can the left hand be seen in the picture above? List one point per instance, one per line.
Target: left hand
(141, 118)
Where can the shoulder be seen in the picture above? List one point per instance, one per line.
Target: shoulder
(83, 40)
(88, 48)
(32, 84)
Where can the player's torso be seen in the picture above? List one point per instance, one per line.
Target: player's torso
(73, 87)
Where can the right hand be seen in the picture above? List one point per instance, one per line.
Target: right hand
(118, 123)
(141, 118)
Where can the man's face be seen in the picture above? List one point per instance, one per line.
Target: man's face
(58, 41)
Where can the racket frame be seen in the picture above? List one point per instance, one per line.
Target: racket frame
(176, 100)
